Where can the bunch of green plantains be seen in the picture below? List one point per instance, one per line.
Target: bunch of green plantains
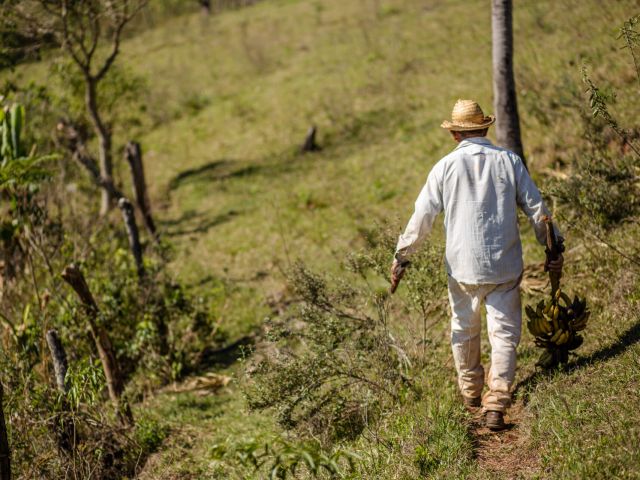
(556, 327)
(556, 324)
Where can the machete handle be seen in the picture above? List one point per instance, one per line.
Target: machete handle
(554, 248)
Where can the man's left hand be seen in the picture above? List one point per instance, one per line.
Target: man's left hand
(555, 265)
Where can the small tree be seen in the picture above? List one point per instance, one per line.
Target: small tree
(90, 33)
(505, 103)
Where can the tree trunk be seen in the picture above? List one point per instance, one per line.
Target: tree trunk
(115, 383)
(132, 232)
(504, 85)
(70, 137)
(206, 6)
(133, 154)
(104, 144)
(5, 453)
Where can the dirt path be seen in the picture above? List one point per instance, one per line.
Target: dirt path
(505, 454)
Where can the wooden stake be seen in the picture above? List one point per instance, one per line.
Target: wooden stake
(132, 232)
(133, 154)
(310, 144)
(5, 453)
(59, 358)
(64, 427)
(115, 383)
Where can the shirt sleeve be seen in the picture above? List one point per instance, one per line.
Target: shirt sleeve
(531, 202)
(427, 207)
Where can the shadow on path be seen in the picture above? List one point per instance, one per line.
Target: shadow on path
(629, 338)
(203, 172)
(220, 170)
(193, 222)
(225, 356)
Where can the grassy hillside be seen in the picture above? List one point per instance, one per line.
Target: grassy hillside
(377, 79)
(228, 101)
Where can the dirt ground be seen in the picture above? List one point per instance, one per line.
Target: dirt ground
(504, 454)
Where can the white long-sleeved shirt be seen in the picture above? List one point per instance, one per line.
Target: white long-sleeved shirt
(479, 186)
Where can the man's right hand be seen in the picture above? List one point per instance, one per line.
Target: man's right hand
(554, 265)
(397, 272)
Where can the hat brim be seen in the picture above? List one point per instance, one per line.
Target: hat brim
(465, 127)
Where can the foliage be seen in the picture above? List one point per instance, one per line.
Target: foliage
(222, 218)
(157, 327)
(17, 46)
(281, 459)
(341, 366)
(603, 189)
(336, 364)
(21, 176)
(425, 284)
(18, 171)
(571, 410)
(119, 98)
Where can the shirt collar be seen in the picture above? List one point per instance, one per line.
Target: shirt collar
(474, 141)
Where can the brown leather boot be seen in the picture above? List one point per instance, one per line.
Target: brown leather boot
(495, 420)
(471, 402)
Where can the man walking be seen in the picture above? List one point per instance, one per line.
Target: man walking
(479, 187)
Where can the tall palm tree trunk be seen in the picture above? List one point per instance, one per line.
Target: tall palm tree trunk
(504, 85)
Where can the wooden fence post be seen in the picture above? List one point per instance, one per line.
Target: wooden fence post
(5, 453)
(64, 428)
(115, 383)
(132, 232)
(133, 154)
(59, 358)
(310, 144)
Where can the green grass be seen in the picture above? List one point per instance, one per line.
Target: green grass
(227, 105)
(584, 422)
(197, 424)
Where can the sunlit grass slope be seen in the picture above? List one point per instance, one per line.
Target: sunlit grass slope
(230, 100)
(228, 103)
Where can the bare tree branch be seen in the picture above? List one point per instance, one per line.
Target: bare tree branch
(121, 22)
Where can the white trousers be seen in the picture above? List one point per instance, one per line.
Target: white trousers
(504, 321)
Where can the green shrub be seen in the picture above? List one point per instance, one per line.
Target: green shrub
(334, 363)
(279, 458)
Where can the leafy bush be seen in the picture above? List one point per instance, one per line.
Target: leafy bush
(333, 364)
(603, 190)
(281, 459)
(156, 326)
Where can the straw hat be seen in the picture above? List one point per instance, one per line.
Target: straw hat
(467, 115)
